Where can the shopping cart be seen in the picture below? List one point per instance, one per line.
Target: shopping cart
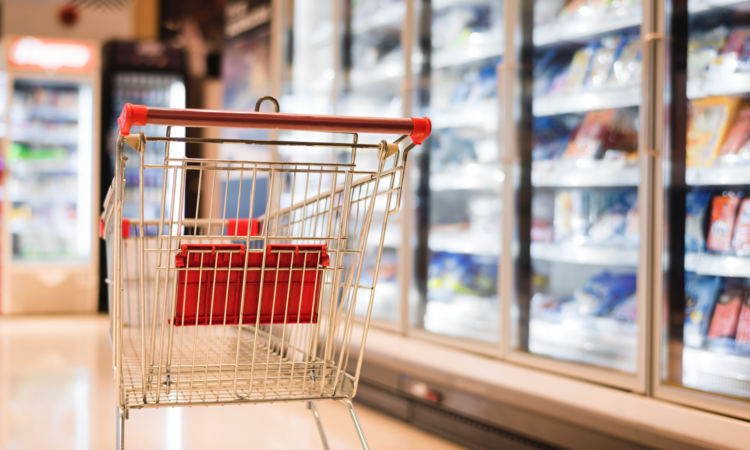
(229, 308)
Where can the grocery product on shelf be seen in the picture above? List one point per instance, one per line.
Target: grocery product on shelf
(602, 62)
(741, 238)
(580, 67)
(626, 69)
(743, 324)
(600, 295)
(708, 125)
(738, 134)
(723, 214)
(700, 295)
(696, 204)
(727, 312)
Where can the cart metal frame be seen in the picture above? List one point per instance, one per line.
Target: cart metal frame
(160, 357)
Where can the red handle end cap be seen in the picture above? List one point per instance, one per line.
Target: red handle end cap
(422, 129)
(132, 115)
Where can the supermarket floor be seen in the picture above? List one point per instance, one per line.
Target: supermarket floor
(56, 391)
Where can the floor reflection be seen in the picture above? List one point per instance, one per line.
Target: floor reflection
(57, 392)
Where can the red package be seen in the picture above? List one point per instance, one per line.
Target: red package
(736, 41)
(743, 324)
(741, 239)
(208, 289)
(589, 140)
(738, 135)
(727, 314)
(723, 212)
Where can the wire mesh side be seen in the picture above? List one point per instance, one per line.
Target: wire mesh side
(168, 361)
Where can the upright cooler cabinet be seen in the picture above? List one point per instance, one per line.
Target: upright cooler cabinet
(49, 250)
(457, 176)
(580, 196)
(702, 310)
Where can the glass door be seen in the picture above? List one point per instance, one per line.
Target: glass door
(373, 59)
(578, 306)
(703, 352)
(49, 167)
(459, 177)
(154, 90)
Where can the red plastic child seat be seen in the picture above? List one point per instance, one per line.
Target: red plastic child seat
(207, 289)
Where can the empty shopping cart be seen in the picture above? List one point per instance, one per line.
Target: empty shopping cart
(242, 286)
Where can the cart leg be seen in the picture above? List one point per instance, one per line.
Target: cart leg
(314, 408)
(120, 429)
(357, 424)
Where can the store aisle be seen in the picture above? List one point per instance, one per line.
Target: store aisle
(57, 391)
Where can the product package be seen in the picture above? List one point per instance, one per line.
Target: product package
(580, 66)
(588, 141)
(550, 137)
(601, 62)
(616, 224)
(600, 295)
(727, 62)
(741, 239)
(727, 312)
(571, 215)
(738, 134)
(626, 310)
(700, 295)
(708, 124)
(626, 69)
(703, 48)
(453, 273)
(723, 215)
(696, 205)
(743, 324)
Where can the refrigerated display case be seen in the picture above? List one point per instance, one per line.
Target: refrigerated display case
(579, 294)
(141, 73)
(703, 345)
(49, 250)
(458, 173)
(247, 76)
(374, 81)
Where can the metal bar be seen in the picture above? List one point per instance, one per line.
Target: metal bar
(357, 424)
(278, 121)
(259, 142)
(311, 405)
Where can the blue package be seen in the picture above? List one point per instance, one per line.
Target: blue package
(601, 294)
(701, 292)
(454, 273)
(696, 205)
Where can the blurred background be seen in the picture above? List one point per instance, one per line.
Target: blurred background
(535, 290)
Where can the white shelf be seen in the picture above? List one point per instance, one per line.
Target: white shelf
(466, 55)
(383, 17)
(737, 83)
(576, 30)
(718, 175)
(577, 254)
(583, 173)
(469, 177)
(468, 242)
(378, 77)
(716, 372)
(483, 113)
(614, 97)
(718, 265)
(600, 341)
(698, 6)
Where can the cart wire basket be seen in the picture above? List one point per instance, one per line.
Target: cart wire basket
(225, 297)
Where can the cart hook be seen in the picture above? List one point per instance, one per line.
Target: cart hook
(267, 98)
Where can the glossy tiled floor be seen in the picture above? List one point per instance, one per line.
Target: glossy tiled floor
(57, 392)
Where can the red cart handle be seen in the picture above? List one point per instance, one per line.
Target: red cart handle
(418, 128)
